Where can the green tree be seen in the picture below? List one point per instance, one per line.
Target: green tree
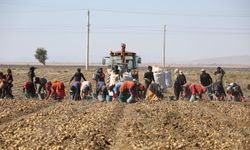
(41, 55)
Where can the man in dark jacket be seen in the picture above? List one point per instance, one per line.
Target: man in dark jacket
(179, 82)
(206, 81)
(148, 78)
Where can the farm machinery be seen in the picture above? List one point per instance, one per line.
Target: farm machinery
(126, 62)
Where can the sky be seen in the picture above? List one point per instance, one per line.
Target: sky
(196, 29)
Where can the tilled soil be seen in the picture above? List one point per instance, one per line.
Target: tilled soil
(143, 125)
(39, 124)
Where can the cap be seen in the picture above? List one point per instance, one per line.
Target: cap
(203, 70)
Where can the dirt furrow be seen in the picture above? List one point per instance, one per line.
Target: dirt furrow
(141, 127)
(21, 131)
(205, 126)
(20, 108)
(97, 128)
(234, 110)
(67, 125)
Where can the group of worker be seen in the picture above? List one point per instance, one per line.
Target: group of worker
(114, 87)
(39, 87)
(214, 90)
(117, 87)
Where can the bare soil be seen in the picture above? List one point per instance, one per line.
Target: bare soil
(90, 124)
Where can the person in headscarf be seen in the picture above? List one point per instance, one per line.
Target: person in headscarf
(235, 93)
(206, 81)
(154, 92)
(179, 82)
(218, 85)
(86, 89)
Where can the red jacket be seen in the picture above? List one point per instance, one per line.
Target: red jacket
(196, 88)
(127, 85)
(57, 88)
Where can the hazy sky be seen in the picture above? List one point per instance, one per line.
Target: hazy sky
(195, 29)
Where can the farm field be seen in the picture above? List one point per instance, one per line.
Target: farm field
(90, 124)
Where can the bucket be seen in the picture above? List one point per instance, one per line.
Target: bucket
(130, 99)
(100, 98)
(108, 98)
(170, 98)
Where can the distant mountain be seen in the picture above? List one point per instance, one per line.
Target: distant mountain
(231, 60)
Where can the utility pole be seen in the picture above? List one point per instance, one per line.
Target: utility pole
(164, 46)
(87, 42)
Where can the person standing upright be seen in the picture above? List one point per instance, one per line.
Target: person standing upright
(218, 87)
(148, 78)
(206, 81)
(30, 91)
(78, 76)
(180, 80)
(9, 85)
(31, 74)
(123, 47)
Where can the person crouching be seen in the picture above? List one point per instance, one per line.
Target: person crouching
(86, 89)
(75, 90)
(40, 86)
(29, 90)
(193, 91)
(55, 90)
(234, 92)
(154, 92)
(127, 91)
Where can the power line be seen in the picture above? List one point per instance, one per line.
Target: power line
(130, 29)
(131, 12)
(169, 14)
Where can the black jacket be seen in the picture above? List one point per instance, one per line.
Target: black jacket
(205, 79)
(180, 79)
(149, 76)
(78, 76)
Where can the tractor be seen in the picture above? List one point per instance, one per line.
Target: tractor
(127, 62)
